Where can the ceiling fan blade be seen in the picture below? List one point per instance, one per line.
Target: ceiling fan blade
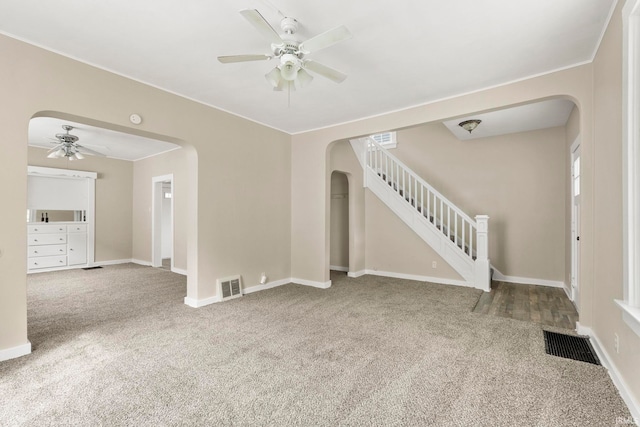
(242, 58)
(57, 147)
(86, 150)
(326, 39)
(261, 24)
(325, 71)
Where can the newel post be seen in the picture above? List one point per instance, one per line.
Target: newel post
(482, 266)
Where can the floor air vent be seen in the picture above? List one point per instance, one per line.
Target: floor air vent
(229, 288)
(570, 347)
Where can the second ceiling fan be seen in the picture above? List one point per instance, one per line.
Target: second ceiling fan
(292, 70)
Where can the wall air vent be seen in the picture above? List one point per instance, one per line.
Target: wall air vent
(229, 288)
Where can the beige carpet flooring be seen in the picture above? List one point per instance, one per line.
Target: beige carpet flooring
(117, 346)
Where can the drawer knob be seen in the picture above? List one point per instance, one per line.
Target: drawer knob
(35, 263)
(35, 252)
(61, 238)
(61, 261)
(35, 240)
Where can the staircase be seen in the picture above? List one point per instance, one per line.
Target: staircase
(456, 237)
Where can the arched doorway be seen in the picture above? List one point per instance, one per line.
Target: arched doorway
(339, 251)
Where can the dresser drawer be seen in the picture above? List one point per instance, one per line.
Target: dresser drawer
(46, 239)
(80, 228)
(46, 250)
(46, 228)
(47, 262)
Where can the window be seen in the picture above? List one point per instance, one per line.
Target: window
(631, 166)
(386, 139)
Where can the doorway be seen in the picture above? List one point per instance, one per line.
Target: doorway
(575, 223)
(162, 222)
(339, 249)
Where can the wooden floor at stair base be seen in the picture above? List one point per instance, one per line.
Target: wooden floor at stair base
(540, 304)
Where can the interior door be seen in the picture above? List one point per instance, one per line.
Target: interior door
(575, 224)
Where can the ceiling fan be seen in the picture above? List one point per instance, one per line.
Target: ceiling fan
(292, 70)
(67, 146)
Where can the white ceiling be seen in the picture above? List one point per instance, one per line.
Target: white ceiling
(540, 115)
(116, 145)
(403, 53)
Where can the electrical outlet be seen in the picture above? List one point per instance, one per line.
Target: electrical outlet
(616, 343)
(434, 264)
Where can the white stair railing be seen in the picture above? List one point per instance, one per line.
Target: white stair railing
(467, 235)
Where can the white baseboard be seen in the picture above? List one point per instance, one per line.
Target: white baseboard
(618, 381)
(111, 262)
(419, 278)
(148, 264)
(356, 274)
(497, 275)
(13, 352)
(179, 271)
(266, 286)
(338, 268)
(197, 303)
(304, 282)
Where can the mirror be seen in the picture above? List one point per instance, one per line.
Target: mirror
(40, 215)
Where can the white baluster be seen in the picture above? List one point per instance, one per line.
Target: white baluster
(386, 169)
(455, 228)
(464, 226)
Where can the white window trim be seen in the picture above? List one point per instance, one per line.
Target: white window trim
(631, 165)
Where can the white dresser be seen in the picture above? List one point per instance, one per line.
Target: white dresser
(53, 246)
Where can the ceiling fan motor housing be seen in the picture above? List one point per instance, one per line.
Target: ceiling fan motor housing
(289, 25)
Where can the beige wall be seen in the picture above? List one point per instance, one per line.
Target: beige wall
(607, 228)
(176, 163)
(114, 198)
(392, 247)
(239, 186)
(516, 179)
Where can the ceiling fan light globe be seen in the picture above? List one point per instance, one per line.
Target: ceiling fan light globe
(79, 156)
(273, 77)
(289, 66)
(57, 154)
(304, 78)
(289, 72)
